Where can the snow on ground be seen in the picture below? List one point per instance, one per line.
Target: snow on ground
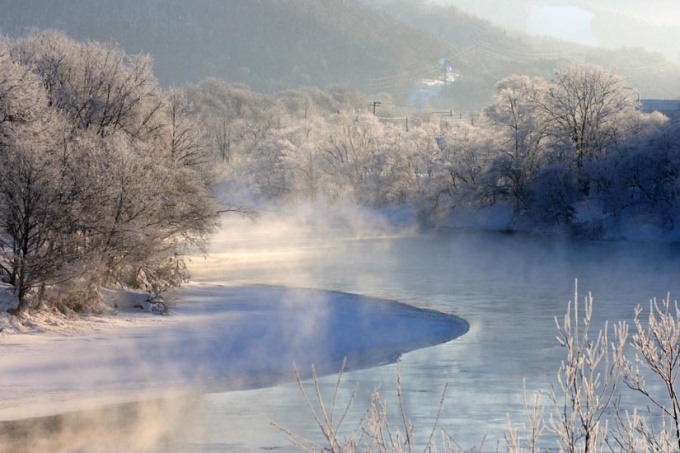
(54, 323)
(217, 338)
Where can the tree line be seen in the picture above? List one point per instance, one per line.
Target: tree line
(572, 152)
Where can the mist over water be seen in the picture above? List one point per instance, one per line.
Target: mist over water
(141, 426)
(509, 287)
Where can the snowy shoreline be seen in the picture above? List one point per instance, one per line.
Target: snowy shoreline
(219, 338)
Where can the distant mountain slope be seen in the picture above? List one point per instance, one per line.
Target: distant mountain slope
(376, 45)
(493, 52)
(265, 43)
(652, 24)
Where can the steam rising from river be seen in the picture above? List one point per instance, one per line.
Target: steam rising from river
(141, 426)
(304, 326)
(509, 287)
(283, 237)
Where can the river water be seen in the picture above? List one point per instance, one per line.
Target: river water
(509, 287)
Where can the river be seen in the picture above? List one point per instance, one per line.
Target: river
(509, 287)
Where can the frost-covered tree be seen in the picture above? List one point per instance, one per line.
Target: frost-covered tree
(657, 350)
(467, 151)
(523, 126)
(104, 177)
(556, 195)
(32, 224)
(353, 155)
(300, 147)
(588, 109)
(587, 379)
(97, 85)
(641, 178)
(414, 167)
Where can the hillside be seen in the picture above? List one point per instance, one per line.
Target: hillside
(379, 46)
(489, 52)
(651, 24)
(267, 44)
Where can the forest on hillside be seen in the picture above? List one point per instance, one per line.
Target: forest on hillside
(386, 47)
(266, 44)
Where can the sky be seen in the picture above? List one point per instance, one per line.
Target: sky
(571, 23)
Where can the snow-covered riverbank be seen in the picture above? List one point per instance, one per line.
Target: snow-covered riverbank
(218, 338)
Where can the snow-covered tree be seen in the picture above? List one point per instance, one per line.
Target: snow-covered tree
(353, 155)
(97, 85)
(588, 109)
(103, 177)
(413, 172)
(524, 134)
(467, 151)
(33, 227)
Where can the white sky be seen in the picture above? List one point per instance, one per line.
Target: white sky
(664, 12)
(571, 23)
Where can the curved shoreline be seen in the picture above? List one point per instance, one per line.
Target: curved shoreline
(227, 338)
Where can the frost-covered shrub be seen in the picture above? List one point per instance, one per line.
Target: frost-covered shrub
(80, 296)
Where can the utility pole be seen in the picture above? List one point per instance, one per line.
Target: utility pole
(375, 104)
(441, 120)
(446, 113)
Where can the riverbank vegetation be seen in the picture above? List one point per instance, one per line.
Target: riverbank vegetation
(573, 154)
(106, 177)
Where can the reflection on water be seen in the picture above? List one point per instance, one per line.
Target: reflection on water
(508, 287)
